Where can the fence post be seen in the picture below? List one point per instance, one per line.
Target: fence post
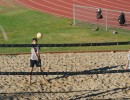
(106, 20)
(74, 14)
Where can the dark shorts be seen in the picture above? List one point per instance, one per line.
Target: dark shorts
(35, 62)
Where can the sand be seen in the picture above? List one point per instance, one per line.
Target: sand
(78, 87)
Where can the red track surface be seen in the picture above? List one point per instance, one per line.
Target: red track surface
(4, 3)
(65, 8)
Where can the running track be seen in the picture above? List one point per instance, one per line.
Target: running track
(64, 8)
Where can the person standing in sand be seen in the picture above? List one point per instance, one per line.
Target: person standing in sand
(35, 57)
(128, 62)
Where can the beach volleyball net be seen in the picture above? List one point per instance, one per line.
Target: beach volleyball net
(68, 47)
(72, 70)
(91, 46)
(86, 16)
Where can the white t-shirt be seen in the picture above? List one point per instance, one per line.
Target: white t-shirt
(33, 51)
(129, 57)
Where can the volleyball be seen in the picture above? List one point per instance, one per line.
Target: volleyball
(39, 35)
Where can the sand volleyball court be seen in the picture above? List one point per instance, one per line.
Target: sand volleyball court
(79, 87)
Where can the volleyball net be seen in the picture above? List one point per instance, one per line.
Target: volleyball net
(70, 68)
(67, 47)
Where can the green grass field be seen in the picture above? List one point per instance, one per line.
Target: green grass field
(22, 24)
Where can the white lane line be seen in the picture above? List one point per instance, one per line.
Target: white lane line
(41, 10)
(3, 32)
(57, 4)
(65, 2)
(49, 7)
(123, 1)
(99, 3)
(116, 3)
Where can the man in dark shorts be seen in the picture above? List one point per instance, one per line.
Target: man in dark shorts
(35, 58)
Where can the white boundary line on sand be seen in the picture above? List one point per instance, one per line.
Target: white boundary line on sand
(3, 32)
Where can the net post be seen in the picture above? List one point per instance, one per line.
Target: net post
(106, 20)
(73, 14)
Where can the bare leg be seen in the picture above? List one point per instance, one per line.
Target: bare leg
(42, 71)
(31, 75)
(43, 75)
